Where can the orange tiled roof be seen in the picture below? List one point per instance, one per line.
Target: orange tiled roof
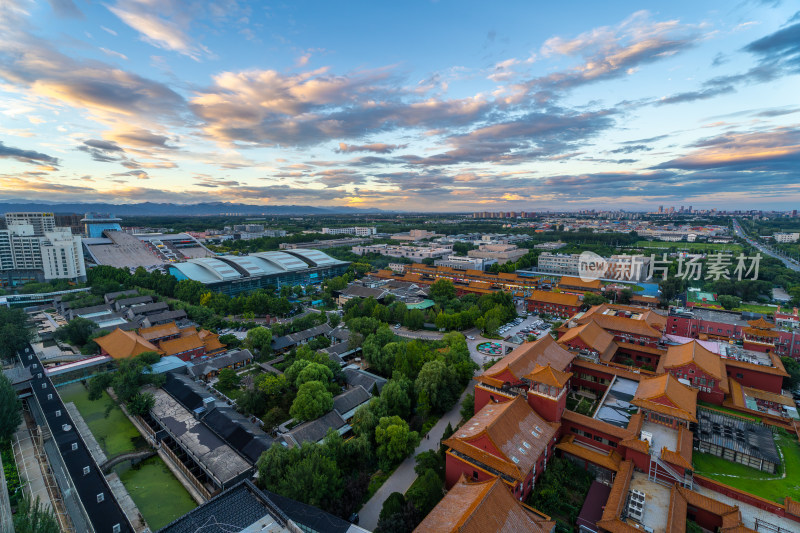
(591, 334)
(181, 344)
(159, 332)
(619, 491)
(694, 352)
(768, 396)
(626, 325)
(609, 369)
(639, 348)
(667, 387)
(480, 507)
(524, 360)
(729, 513)
(514, 428)
(760, 323)
(569, 281)
(548, 375)
(757, 332)
(122, 344)
(558, 298)
(736, 393)
(211, 341)
(599, 425)
(777, 368)
(792, 507)
(636, 444)
(609, 460)
(675, 458)
(653, 319)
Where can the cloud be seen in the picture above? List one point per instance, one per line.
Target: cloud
(102, 151)
(26, 156)
(270, 108)
(338, 177)
(138, 137)
(631, 148)
(112, 53)
(783, 47)
(158, 31)
(608, 52)
(773, 150)
(65, 9)
(378, 148)
(532, 136)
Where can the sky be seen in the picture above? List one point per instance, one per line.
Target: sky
(439, 106)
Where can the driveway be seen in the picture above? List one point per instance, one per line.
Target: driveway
(404, 476)
(480, 358)
(420, 334)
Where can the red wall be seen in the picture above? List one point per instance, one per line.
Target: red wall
(755, 379)
(484, 396)
(548, 408)
(716, 396)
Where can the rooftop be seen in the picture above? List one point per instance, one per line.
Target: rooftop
(616, 408)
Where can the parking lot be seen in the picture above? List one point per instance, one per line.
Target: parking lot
(474, 338)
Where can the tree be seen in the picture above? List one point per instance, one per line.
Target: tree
(77, 331)
(590, 299)
(259, 340)
(468, 407)
(14, 331)
(436, 387)
(394, 504)
(312, 401)
(314, 372)
(442, 291)
(397, 396)
(429, 460)
(305, 473)
(400, 522)
(792, 366)
(729, 302)
(395, 441)
(230, 340)
(33, 517)
(426, 491)
(228, 379)
(10, 409)
(625, 296)
(141, 403)
(415, 319)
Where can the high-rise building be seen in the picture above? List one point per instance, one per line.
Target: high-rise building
(96, 223)
(32, 248)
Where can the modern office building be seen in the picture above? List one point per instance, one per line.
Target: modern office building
(233, 275)
(95, 224)
(360, 231)
(562, 264)
(32, 248)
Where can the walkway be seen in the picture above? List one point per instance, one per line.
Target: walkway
(787, 261)
(404, 475)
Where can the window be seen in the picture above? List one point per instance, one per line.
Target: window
(44, 385)
(85, 470)
(74, 446)
(116, 528)
(49, 396)
(101, 497)
(58, 412)
(739, 375)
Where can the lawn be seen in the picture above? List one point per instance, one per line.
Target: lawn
(114, 432)
(690, 246)
(727, 410)
(764, 309)
(767, 486)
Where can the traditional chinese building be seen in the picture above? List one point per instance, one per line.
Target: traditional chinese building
(562, 305)
(665, 400)
(699, 367)
(483, 506)
(507, 440)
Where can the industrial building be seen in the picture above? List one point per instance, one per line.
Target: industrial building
(236, 274)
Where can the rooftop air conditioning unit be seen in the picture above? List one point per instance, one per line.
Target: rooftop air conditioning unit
(636, 505)
(647, 436)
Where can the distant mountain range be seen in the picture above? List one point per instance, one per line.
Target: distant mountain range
(183, 210)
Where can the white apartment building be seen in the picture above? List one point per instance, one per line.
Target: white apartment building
(361, 231)
(502, 253)
(410, 252)
(561, 264)
(465, 263)
(786, 237)
(53, 253)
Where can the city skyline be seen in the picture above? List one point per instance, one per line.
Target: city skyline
(438, 107)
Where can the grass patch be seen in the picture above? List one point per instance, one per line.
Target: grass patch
(728, 410)
(764, 309)
(114, 432)
(147, 483)
(376, 481)
(689, 246)
(768, 486)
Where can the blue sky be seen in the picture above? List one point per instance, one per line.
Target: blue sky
(435, 106)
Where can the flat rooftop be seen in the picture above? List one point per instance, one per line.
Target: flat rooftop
(663, 436)
(656, 502)
(616, 408)
(216, 456)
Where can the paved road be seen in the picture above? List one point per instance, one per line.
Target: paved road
(420, 334)
(404, 476)
(480, 358)
(790, 263)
